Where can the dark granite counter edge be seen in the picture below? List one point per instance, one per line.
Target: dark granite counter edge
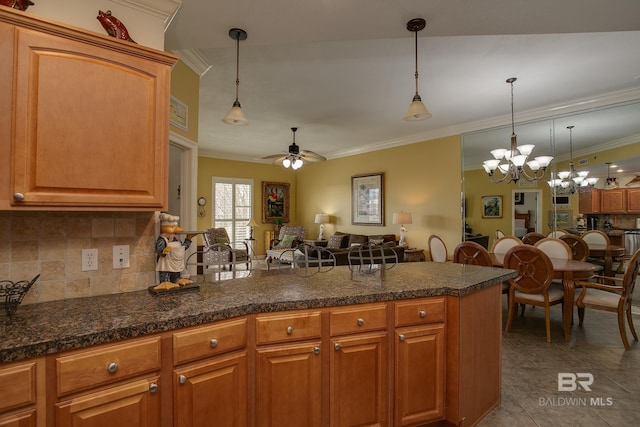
(104, 335)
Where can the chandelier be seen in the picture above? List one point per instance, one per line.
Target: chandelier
(509, 165)
(572, 181)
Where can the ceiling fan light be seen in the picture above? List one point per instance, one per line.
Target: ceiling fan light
(235, 116)
(297, 164)
(417, 111)
(286, 163)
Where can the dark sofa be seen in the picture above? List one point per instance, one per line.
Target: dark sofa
(341, 243)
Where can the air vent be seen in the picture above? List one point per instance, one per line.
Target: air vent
(583, 162)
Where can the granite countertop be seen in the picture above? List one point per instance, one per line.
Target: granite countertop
(46, 328)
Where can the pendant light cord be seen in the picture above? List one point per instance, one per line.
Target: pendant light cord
(237, 64)
(416, 32)
(513, 129)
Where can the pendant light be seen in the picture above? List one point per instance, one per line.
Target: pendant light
(515, 158)
(572, 181)
(235, 116)
(417, 110)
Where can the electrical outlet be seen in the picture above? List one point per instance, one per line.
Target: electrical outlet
(89, 259)
(121, 256)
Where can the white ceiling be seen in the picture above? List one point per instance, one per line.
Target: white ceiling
(342, 71)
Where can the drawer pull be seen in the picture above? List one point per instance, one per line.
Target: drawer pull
(182, 379)
(402, 337)
(360, 321)
(290, 330)
(18, 197)
(337, 346)
(153, 387)
(113, 366)
(316, 350)
(422, 313)
(213, 343)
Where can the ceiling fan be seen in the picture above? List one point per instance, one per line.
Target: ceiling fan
(295, 157)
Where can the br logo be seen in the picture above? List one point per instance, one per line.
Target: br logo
(568, 381)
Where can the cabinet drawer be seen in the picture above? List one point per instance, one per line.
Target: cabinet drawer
(419, 312)
(291, 327)
(209, 340)
(18, 385)
(90, 368)
(358, 319)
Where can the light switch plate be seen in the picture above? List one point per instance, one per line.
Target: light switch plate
(121, 256)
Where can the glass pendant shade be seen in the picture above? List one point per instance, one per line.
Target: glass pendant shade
(417, 111)
(235, 116)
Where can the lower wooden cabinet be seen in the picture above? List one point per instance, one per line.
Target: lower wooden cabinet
(21, 394)
(213, 392)
(135, 403)
(20, 419)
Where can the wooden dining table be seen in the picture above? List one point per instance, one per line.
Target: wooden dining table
(568, 271)
(607, 253)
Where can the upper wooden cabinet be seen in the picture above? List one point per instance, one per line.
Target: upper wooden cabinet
(633, 200)
(89, 120)
(614, 201)
(618, 200)
(589, 202)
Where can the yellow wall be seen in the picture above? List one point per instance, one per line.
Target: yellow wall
(185, 86)
(422, 178)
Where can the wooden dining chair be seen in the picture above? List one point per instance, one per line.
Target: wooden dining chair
(499, 233)
(472, 253)
(613, 298)
(557, 233)
(579, 247)
(437, 249)
(503, 244)
(554, 248)
(531, 286)
(532, 237)
(597, 237)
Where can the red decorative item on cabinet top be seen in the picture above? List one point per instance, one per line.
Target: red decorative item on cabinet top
(17, 4)
(113, 26)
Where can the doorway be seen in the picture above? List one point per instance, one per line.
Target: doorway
(526, 202)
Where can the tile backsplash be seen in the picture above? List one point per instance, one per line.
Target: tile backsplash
(51, 243)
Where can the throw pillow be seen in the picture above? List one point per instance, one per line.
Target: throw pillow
(221, 240)
(286, 241)
(335, 242)
(376, 241)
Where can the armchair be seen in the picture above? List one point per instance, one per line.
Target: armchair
(220, 250)
(288, 238)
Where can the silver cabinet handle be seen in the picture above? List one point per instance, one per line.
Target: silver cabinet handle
(316, 350)
(213, 343)
(360, 321)
(113, 366)
(290, 330)
(402, 337)
(337, 346)
(153, 387)
(422, 313)
(182, 379)
(18, 197)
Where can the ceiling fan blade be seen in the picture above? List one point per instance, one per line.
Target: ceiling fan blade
(312, 156)
(275, 156)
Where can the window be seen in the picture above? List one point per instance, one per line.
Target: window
(232, 206)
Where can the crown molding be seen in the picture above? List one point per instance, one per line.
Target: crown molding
(163, 9)
(194, 59)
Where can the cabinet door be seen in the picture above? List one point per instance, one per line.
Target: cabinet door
(289, 385)
(419, 375)
(633, 200)
(90, 124)
(359, 380)
(614, 200)
(589, 202)
(212, 393)
(24, 419)
(132, 404)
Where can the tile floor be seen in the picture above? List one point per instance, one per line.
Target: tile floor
(530, 368)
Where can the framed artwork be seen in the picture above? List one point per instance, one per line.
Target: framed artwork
(560, 217)
(518, 199)
(178, 112)
(367, 199)
(491, 206)
(275, 202)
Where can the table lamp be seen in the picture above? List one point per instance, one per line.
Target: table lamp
(321, 219)
(252, 223)
(402, 218)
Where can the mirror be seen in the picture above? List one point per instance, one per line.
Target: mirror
(606, 134)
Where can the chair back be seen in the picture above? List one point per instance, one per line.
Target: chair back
(531, 238)
(595, 237)
(535, 270)
(579, 247)
(554, 248)
(557, 233)
(499, 233)
(437, 249)
(292, 230)
(218, 235)
(472, 253)
(629, 278)
(503, 244)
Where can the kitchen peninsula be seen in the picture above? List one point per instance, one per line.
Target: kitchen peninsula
(415, 344)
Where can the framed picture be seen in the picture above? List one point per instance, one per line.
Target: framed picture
(275, 202)
(491, 206)
(562, 218)
(178, 112)
(367, 199)
(518, 198)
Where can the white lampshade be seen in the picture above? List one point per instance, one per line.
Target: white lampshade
(417, 111)
(252, 223)
(322, 218)
(235, 116)
(402, 218)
